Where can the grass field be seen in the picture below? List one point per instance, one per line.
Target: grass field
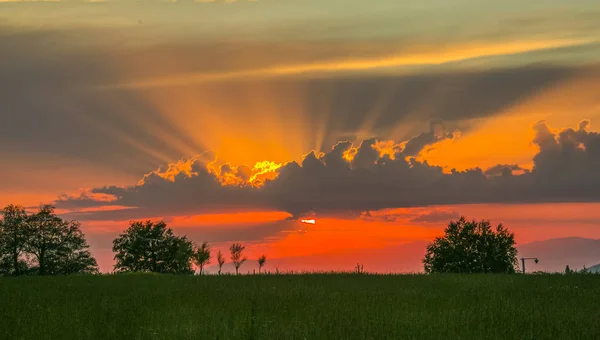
(301, 307)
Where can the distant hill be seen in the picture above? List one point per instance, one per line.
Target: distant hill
(595, 269)
(556, 254)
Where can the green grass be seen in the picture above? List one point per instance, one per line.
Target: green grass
(341, 306)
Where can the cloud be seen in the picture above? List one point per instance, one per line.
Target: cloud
(435, 56)
(504, 170)
(199, 191)
(436, 216)
(437, 132)
(565, 170)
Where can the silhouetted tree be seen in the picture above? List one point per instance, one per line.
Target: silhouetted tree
(472, 247)
(58, 246)
(220, 260)
(236, 250)
(359, 269)
(261, 262)
(568, 270)
(42, 243)
(201, 256)
(13, 238)
(152, 247)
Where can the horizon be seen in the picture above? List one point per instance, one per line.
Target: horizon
(243, 121)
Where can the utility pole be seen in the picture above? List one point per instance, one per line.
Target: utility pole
(535, 259)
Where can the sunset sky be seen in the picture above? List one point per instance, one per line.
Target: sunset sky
(234, 120)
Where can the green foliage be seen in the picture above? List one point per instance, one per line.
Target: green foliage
(472, 247)
(152, 247)
(237, 257)
(343, 306)
(201, 256)
(42, 243)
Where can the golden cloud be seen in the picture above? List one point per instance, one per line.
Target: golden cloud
(420, 57)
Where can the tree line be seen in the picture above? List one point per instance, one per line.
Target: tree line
(148, 246)
(42, 243)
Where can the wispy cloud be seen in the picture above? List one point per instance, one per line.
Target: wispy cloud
(424, 58)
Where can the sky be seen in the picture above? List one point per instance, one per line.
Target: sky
(234, 120)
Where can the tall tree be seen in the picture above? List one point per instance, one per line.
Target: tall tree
(237, 257)
(13, 238)
(201, 256)
(152, 247)
(220, 260)
(58, 246)
(261, 262)
(472, 247)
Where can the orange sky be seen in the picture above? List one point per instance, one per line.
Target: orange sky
(293, 245)
(183, 111)
(344, 241)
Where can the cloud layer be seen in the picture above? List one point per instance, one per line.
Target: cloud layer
(361, 178)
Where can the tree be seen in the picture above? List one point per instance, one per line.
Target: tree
(236, 250)
(13, 238)
(58, 246)
(472, 247)
(261, 262)
(201, 256)
(220, 260)
(568, 270)
(152, 247)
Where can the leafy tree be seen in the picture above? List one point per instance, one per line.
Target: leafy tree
(472, 247)
(261, 262)
(13, 238)
(201, 256)
(152, 247)
(58, 246)
(220, 260)
(236, 250)
(568, 270)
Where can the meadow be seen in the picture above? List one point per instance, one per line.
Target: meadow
(316, 306)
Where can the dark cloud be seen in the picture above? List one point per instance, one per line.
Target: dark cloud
(504, 170)
(366, 155)
(435, 216)
(565, 169)
(437, 132)
(158, 196)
